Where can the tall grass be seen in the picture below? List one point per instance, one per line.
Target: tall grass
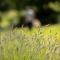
(37, 44)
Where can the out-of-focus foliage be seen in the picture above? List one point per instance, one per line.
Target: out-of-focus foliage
(54, 6)
(47, 10)
(20, 4)
(9, 19)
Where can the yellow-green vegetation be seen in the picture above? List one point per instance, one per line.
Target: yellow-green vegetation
(54, 6)
(9, 18)
(36, 44)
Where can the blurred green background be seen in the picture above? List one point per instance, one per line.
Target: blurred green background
(48, 11)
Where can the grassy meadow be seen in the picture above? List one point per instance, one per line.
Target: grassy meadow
(36, 44)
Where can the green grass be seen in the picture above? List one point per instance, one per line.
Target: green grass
(38, 44)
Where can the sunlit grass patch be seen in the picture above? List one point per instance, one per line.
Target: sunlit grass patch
(36, 44)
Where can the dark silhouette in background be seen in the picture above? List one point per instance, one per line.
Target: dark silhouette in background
(46, 18)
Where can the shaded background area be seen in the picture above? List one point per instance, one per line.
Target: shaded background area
(47, 11)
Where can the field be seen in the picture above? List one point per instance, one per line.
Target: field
(36, 44)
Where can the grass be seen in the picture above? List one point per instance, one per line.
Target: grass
(38, 44)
